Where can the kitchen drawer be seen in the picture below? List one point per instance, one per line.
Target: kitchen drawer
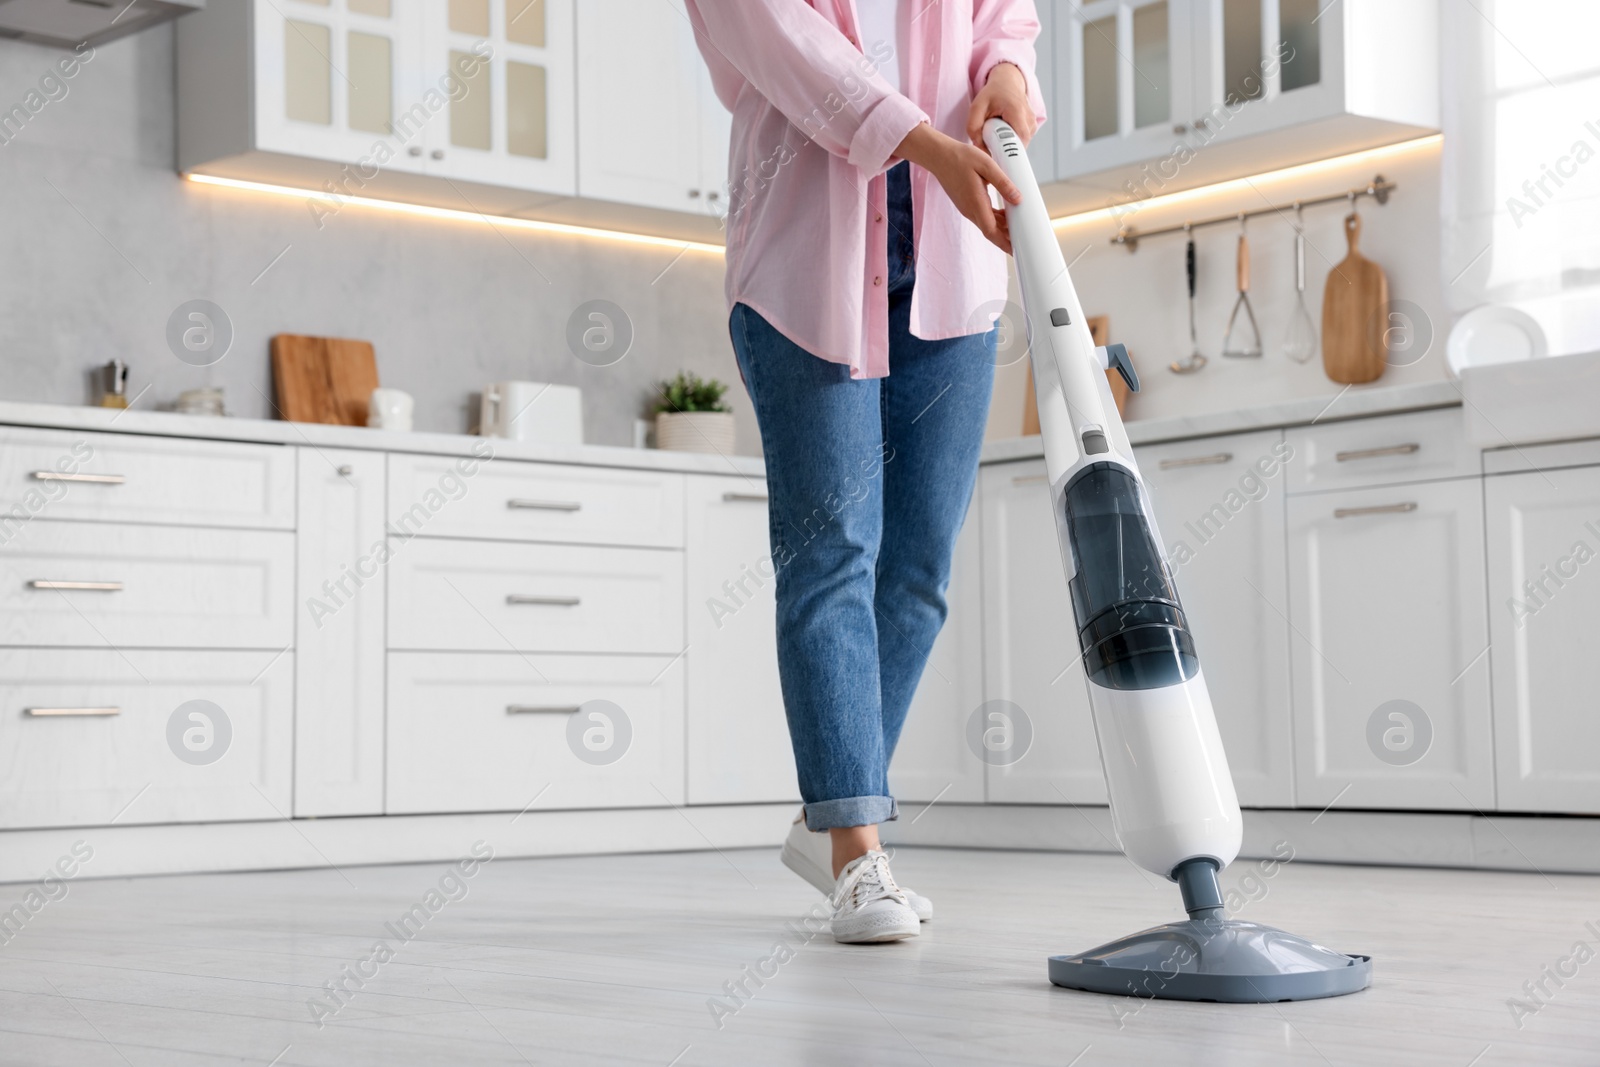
(483, 596)
(102, 741)
(1418, 446)
(146, 586)
(503, 732)
(512, 500)
(58, 474)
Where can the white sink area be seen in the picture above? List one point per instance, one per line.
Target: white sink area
(1555, 399)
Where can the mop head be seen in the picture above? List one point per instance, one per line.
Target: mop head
(1214, 959)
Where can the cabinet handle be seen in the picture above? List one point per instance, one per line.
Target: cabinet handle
(97, 479)
(1373, 453)
(92, 587)
(437, 153)
(1030, 479)
(1195, 461)
(694, 194)
(414, 150)
(41, 713)
(345, 470)
(1179, 128)
(713, 196)
(542, 709)
(753, 498)
(1381, 509)
(545, 505)
(550, 601)
(1200, 123)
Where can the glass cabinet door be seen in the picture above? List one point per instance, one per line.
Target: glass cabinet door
(1283, 53)
(505, 69)
(1123, 80)
(332, 76)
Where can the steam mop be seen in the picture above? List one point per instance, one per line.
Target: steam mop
(1172, 800)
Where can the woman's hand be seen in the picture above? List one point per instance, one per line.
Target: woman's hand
(1004, 95)
(965, 172)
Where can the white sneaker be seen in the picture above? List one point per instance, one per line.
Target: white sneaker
(809, 854)
(867, 905)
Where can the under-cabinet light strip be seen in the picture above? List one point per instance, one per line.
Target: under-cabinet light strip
(425, 211)
(1126, 207)
(1299, 170)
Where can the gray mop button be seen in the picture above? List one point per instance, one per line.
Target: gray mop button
(1399, 733)
(1060, 317)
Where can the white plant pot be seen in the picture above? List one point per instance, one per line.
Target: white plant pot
(695, 431)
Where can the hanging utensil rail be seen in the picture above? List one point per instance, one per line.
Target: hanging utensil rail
(1379, 189)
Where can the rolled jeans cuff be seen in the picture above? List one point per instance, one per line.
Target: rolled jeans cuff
(851, 811)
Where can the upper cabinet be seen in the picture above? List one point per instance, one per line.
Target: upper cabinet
(1161, 95)
(469, 104)
(1123, 81)
(507, 68)
(651, 130)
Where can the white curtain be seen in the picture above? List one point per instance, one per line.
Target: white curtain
(1520, 172)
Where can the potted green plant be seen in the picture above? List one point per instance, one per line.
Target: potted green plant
(691, 415)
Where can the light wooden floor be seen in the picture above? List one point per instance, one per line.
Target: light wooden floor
(613, 960)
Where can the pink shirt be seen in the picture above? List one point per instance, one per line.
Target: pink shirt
(815, 127)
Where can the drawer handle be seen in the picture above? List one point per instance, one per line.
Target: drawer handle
(752, 498)
(1030, 479)
(344, 470)
(1195, 461)
(1381, 509)
(552, 601)
(40, 713)
(93, 587)
(97, 479)
(542, 709)
(1374, 453)
(545, 505)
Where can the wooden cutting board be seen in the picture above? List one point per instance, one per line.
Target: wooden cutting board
(1100, 330)
(323, 379)
(1355, 304)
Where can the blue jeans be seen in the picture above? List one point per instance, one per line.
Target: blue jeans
(868, 481)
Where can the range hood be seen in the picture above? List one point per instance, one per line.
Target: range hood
(69, 23)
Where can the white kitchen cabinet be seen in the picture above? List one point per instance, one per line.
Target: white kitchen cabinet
(507, 732)
(467, 104)
(1386, 602)
(1123, 80)
(488, 596)
(1155, 96)
(514, 500)
(1042, 149)
(1219, 505)
(651, 130)
(330, 78)
(737, 743)
(339, 633)
(96, 736)
(1544, 542)
(116, 585)
(1044, 749)
(513, 122)
(933, 760)
(118, 477)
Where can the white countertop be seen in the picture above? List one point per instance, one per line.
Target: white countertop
(1354, 402)
(277, 432)
(1357, 401)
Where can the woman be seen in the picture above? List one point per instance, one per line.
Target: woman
(863, 295)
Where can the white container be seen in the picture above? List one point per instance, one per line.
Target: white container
(532, 411)
(390, 409)
(695, 431)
